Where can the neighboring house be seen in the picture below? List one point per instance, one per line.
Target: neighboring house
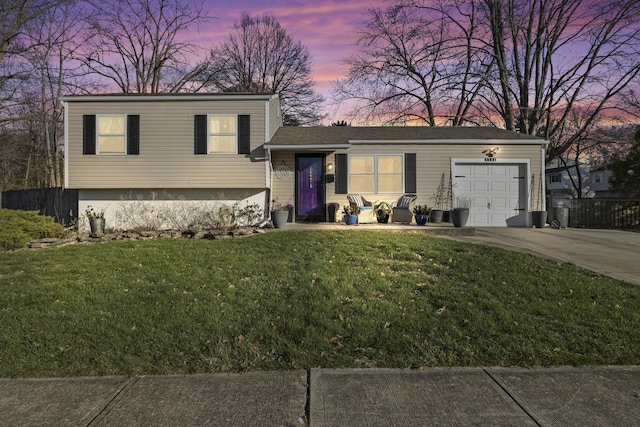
(563, 180)
(599, 182)
(212, 149)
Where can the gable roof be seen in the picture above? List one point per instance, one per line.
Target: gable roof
(342, 137)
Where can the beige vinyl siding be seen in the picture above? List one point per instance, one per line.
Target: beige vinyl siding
(283, 190)
(166, 158)
(432, 160)
(275, 117)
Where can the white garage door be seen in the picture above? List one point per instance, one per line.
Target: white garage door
(498, 193)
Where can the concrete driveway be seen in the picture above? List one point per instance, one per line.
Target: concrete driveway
(612, 253)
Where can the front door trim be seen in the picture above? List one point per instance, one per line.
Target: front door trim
(319, 214)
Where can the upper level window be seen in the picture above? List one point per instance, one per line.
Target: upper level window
(597, 177)
(376, 174)
(554, 177)
(223, 134)
(111, 134)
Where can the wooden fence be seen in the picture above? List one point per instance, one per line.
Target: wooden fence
(604, 213)
(56, 202)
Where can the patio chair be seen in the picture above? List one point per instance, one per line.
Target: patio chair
(402, 211)
(366, 208)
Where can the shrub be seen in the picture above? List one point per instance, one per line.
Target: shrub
(17, 228)
(161, 211)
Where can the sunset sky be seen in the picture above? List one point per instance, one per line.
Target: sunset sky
(328, 28)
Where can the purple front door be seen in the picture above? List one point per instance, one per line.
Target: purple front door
(310, 187)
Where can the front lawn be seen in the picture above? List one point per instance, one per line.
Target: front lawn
(295, 300)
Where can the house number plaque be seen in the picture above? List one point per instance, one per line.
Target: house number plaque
(282, 171)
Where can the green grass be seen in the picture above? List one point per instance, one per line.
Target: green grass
(290, 300)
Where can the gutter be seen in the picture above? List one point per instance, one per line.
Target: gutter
(316, 147)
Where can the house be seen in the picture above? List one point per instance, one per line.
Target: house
(210, 150)
(566, 179)
(599, 182)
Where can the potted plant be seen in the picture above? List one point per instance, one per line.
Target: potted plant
(460, 213)
(96, 220)
(421, 213)
(291, 213)
(279, 214)
(351, 214)
(382, 210)
(538, 216)
(438, 206)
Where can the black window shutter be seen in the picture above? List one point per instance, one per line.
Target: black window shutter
(88, 134)
(342, 174)
(133, 134)
(244, 135)
(410, 173)
(200, 134)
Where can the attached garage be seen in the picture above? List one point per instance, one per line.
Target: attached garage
(496, 191)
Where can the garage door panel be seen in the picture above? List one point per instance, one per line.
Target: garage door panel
(479, 202)
(500, 186)
(499, 203)
(480, 186)
(465, 186)
(479, 171)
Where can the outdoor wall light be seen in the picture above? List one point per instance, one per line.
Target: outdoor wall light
(329, 167)
(490, 152)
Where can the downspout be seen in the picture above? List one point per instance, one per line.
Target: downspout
(543, 175)
(66, 143)
(269, 172)
(268, 167)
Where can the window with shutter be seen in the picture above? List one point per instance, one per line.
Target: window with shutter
(111, 134)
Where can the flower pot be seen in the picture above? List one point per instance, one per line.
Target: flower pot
(279, 218)
(436, 215)
(350, 219)
(422, 219)
(382, 217)
(538, 218)
(446, 216)
(97, 225)
(459, 217)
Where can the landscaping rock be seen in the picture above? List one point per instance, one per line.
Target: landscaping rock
(87, 238)
(50, 243)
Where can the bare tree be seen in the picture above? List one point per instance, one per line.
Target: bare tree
(525, 65)
(34, 117)
(416, 64)
(560, 58)
(141, 45)
(259, 56)
(14, 15)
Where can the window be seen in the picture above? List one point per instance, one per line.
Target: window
(597, 177)
(554, 177)
(111, 134)
(376, 174)
(222, 134)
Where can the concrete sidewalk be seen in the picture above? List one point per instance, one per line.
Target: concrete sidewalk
(588, 396)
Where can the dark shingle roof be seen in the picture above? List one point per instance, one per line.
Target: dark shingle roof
(344, 135)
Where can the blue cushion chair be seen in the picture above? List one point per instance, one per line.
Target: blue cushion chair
(402, 211)
(366, 208)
